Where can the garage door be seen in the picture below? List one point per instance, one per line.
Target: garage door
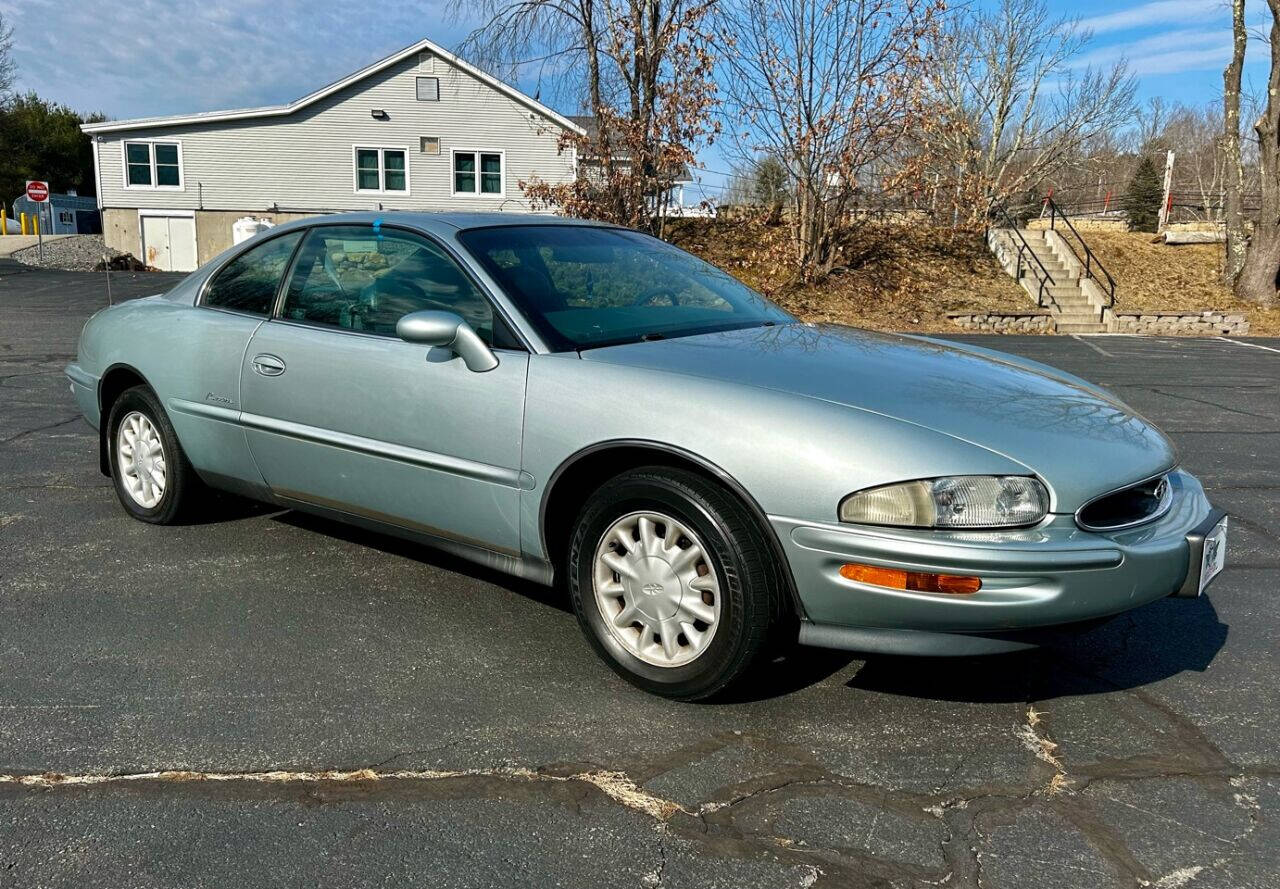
(169, 243)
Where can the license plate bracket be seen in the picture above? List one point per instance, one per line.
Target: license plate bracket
(1206, 554)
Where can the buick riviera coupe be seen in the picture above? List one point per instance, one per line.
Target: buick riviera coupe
(581, 403)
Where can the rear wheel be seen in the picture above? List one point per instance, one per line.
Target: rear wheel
(152, 477)
(670, 579)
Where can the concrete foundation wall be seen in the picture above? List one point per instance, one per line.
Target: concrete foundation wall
(121, 229)
(213, 229)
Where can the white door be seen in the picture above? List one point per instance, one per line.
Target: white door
(169, 243)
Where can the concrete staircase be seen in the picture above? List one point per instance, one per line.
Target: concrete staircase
(1069, 301)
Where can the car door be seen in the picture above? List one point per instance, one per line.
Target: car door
(201, 383)
(341, 413)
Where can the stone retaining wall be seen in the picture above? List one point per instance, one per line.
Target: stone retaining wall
(1018, 322)
(1174, 323)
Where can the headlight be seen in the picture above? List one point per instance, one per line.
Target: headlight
(962, 501)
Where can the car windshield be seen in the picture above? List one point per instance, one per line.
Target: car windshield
(589, 286)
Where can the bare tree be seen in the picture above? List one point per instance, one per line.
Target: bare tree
(8, 67)
(1013, 106)
(828, 89)
(1195, 136)
(539, 33)
(1257, 279)
(648, 86)
(1234, 197)
(1152, 119)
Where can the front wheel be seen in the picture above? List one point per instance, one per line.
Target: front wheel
(671, 581)
(152, 477)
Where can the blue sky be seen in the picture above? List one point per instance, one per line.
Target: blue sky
(168, 56)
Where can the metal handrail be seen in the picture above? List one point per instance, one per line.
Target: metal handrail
(1002, 215)
(1090, 261)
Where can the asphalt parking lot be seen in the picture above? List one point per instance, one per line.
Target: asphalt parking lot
(502, 753)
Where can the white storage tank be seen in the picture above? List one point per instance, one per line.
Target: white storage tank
(246, 227)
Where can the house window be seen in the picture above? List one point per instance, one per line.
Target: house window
(477, 172)
(381, 170)
(152, 165)
(428, 89)
(430, 144)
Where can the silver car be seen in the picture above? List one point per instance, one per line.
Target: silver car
(582, 403)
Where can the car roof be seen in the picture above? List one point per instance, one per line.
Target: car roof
(443, 222)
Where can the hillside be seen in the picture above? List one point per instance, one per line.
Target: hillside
(904, 278)
(908, 277)
(1152, 276)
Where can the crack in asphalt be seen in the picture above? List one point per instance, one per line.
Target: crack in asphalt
(615, 785)
(1213, 404)
(24, 433)
(970, 817)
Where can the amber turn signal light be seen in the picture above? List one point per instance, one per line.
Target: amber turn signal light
(918, 581)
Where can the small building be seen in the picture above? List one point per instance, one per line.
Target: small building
(62, 214)
(419, 130)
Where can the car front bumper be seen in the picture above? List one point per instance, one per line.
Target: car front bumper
(84, 388)
(1036, 582)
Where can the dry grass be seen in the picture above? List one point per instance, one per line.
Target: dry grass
(1152, 276)
(908, 277)
(904, 278)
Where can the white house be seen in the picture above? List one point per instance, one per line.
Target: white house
(419, 130)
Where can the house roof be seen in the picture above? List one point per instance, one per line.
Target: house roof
(423, 45)
(590, 126)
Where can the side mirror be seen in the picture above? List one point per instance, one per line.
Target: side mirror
(448, 331)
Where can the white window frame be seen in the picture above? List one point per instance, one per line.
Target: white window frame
(453, 168)
(382, 169)
(151, 151)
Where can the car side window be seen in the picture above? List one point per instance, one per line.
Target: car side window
(249, 282)
(356, 277)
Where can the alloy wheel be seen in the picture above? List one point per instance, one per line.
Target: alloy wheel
(656, 588)
(141, 459)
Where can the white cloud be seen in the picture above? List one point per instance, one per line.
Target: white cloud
(1179, 51)
(1181, 62)
(1188, 40)
(1159, 12)
(168, 56)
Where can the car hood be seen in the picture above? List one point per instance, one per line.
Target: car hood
(1082, 441)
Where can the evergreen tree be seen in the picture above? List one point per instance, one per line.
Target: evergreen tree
(40, 139)
(1142, 200)
(769, 187)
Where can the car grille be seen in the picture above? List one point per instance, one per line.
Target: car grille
(1134, 505)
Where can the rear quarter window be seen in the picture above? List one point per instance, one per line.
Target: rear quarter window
(249, 282)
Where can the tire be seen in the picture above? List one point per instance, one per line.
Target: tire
(706, 569)
(164, 489)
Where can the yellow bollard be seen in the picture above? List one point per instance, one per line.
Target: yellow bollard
(23, 218)
(35, 223)
(4, 223)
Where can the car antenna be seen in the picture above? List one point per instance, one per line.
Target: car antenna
(106, 267)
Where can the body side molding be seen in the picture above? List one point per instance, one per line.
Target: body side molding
(498, 475)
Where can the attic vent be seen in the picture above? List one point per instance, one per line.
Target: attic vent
(426, 62)
(429, 144)
(428, 89)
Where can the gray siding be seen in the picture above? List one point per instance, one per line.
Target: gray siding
(304, 161)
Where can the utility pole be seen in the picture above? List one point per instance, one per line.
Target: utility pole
(1168, 185)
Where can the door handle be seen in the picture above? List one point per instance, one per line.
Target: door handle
(268, 365)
